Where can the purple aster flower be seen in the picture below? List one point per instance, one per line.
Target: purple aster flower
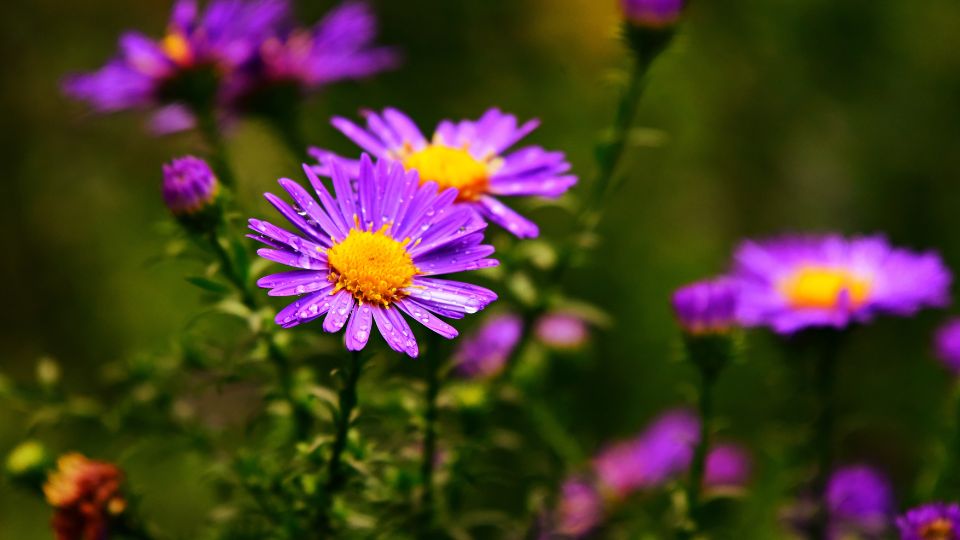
(580, 509)
(486, 352)
(149, 73)
(706, 307)
(728, 468)
(659, 454)
(471, 156)
(339, 47)
(795, 282)
(947, 345)
(859, 501)
(562, 330)
(652, 13)
(371, 252)
(189, 185)
(934, 521)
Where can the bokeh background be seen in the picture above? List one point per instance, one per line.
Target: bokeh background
(763, 117)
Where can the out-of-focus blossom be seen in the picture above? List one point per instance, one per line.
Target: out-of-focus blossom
(189, 185)
(85, 494)
(485, 352)
(947, 345)
(727, 469)
(471, 156)
(579, 511)
(562, 330)
(199, 50)
(652, 13)
(659, 454)
(797, 282)
(706, 307)
(339, 47)
(934, 521)
(372, 252)
(859, 503)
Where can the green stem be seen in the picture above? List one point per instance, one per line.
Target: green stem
(336, 475)
(947, 474)
(429, 438)
(698, 467)
(210, 129)
(824, 381)
(290, 133)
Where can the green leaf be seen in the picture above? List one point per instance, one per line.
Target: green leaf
(208, 284)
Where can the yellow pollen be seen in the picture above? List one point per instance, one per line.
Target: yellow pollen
(818, 287)
(938, 529)
(372, 266)
(177, 48)
(450, 168)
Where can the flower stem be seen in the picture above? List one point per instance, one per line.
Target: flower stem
(336, 475)
(824, 382)
(210, 129)
(698, 467)
(947, 474)
(429, 438)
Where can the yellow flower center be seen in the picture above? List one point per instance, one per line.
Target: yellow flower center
(372, 266)
(938, 529)
(450, 168)
(818, 287)
(176, 47)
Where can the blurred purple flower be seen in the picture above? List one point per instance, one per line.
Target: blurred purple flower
(663, 451)
(485, 352)
(562, 330)
(860, 502)
(728, 468)
(796, 282)
(189, 185)
(652, 13)
(934, 521)
(468, 155)
(706, 307)
(371, 252)
(947, 345)
(150, 73)
(580, 509)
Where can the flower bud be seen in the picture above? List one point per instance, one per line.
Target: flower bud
(706, 307)
(652, 13)
(189, 186)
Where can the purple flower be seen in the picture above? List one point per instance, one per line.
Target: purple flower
(795, 282)
(659, 454)
(486, 352)
(728, 468)
(934, 521)
(188, 185)
(339, 47)
(706, 307)
(371, 252)
(859, 501)
(149, 72)
(470, 156)
(652, 13)
(562, 330)
(947, 345)
(580, 509)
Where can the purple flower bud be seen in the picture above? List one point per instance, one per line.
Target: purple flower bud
(652, 13)
(580, 509)
(860, 502)
(947, 344)
(486, 351)
(189, 185)
(562, 330)
(934, 521)
(706, 307)
(728, 468)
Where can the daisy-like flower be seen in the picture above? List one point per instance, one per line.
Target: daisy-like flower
(796, 282)
(339, 47)
(727, 469)
(184, 66)
(85, 494)
(371, 252)
(580, 509)
(561, 330)
(485, 353)
(471, 156)
(935, 521)
(859, 502)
